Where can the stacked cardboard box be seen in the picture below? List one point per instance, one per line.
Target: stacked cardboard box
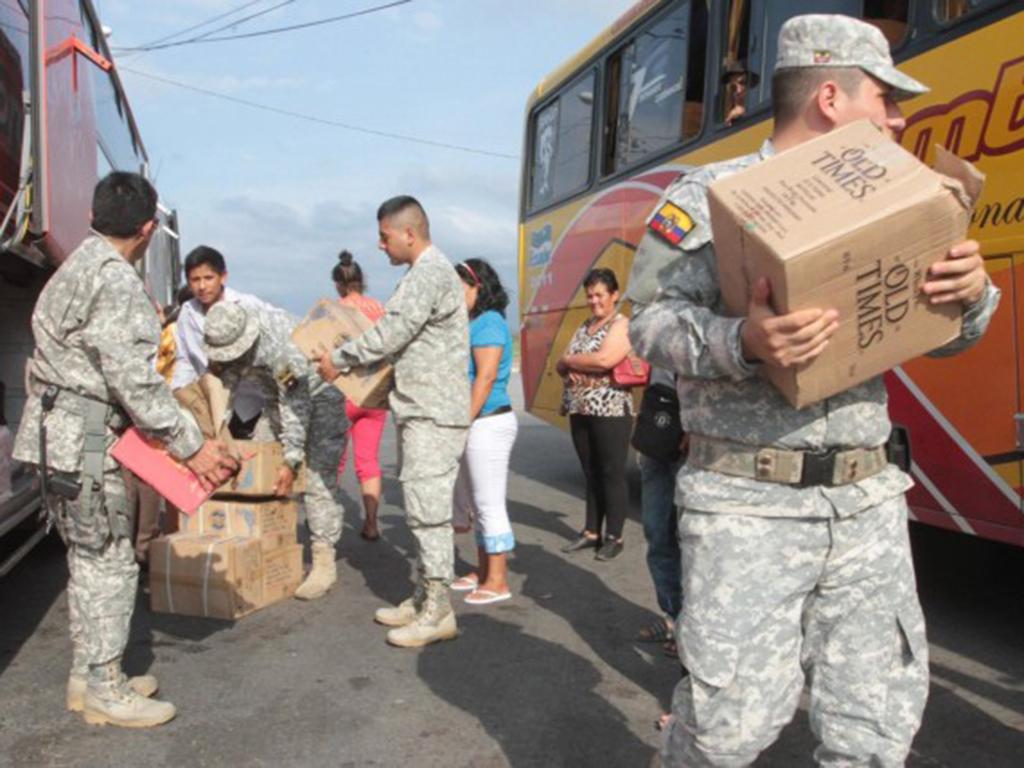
(238, 552)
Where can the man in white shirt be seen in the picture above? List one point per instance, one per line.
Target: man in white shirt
(207, 275)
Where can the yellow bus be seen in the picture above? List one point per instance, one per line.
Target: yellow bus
(656, 93)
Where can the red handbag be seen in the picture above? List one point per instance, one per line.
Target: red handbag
(631, 371)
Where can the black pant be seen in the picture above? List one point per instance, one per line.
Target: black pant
(602, 443)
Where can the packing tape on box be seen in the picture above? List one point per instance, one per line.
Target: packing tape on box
(167, 578)
(206, 577)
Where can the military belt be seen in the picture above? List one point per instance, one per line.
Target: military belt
(802, 469)
(82, 405)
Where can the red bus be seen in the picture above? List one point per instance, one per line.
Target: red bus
(64, 123)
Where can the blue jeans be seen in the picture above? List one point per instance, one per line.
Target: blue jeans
(658, 512)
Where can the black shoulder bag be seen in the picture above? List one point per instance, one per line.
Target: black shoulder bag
(658, 431)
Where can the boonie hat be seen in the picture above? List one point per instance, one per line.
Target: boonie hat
(826, 40)
(230, 330)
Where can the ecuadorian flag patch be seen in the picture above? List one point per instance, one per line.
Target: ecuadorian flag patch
(672, 223)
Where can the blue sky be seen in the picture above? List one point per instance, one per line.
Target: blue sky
(278, 196)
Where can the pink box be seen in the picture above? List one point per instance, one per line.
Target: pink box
(155, 466)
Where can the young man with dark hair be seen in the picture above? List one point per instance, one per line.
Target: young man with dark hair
(122, 203)
(783, 579)
(425, 331)
(92, 374)
(206, 274)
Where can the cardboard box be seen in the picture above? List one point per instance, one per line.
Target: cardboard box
(156, 467)
(206, 576)
(849, 221)
(282, 573)
(261, 461)
(220, 578)
(329, 325)
(207, 401)
(272, 521)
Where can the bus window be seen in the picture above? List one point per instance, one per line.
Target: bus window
(561, 138)
(890, 16)
(951, 10)
(651, 103)
(752, 33)
(114, 135)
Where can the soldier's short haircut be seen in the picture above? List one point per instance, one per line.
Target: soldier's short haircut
(793, 88)
(408, 210)
(122, 203)
(204, 254)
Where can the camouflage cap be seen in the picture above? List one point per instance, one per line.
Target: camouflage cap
(230, 330)
(824, 40)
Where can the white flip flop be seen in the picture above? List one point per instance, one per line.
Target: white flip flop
(486, 597)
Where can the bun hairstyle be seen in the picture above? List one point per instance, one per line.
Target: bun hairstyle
(347, 275)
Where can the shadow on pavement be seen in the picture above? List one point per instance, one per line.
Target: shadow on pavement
(602, 618)
(536, 699)
(26, 595)
(971, 588)
(385, 564)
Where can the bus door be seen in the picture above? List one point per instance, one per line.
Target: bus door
(963, 417)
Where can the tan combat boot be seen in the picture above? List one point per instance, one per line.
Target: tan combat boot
(434, 622)
(113, 702)
(403, 613)
(322, 576)
(144, 685)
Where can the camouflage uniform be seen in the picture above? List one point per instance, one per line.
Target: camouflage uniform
(96, 337)
(309, 418)
(425, 330)
(779, 579)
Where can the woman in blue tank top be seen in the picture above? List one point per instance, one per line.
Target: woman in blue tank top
(483, 474)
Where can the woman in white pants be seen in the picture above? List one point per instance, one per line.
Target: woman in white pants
(483, 473)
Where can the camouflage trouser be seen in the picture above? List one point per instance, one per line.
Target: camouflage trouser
(429, 459)
(325, 444)
(103, 578)
(766, 600)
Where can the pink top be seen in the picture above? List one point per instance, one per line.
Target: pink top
(372, 309)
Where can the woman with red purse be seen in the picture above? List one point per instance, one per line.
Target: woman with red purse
(600, 413)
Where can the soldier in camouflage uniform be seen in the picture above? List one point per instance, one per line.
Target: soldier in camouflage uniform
(92, 375)
(788, 572)
(425, 331)
(254, 344)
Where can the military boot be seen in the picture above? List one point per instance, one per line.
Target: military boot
(435, 620)
(322, 576)
(144, 685)
(403, 613)
(109, 700)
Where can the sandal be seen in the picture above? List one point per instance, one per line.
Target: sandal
(670, 649)
(465, 583)
(486, 597)
(657, 632)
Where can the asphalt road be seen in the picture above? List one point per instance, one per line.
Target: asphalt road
(550, 678)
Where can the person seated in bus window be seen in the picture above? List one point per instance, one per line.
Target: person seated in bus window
(737, 79)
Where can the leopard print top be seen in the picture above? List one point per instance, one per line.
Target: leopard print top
(595, 395)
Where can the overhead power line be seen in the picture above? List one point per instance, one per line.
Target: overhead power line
(320, 120)
(200, 25)
(237, 22)
(274, 31)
